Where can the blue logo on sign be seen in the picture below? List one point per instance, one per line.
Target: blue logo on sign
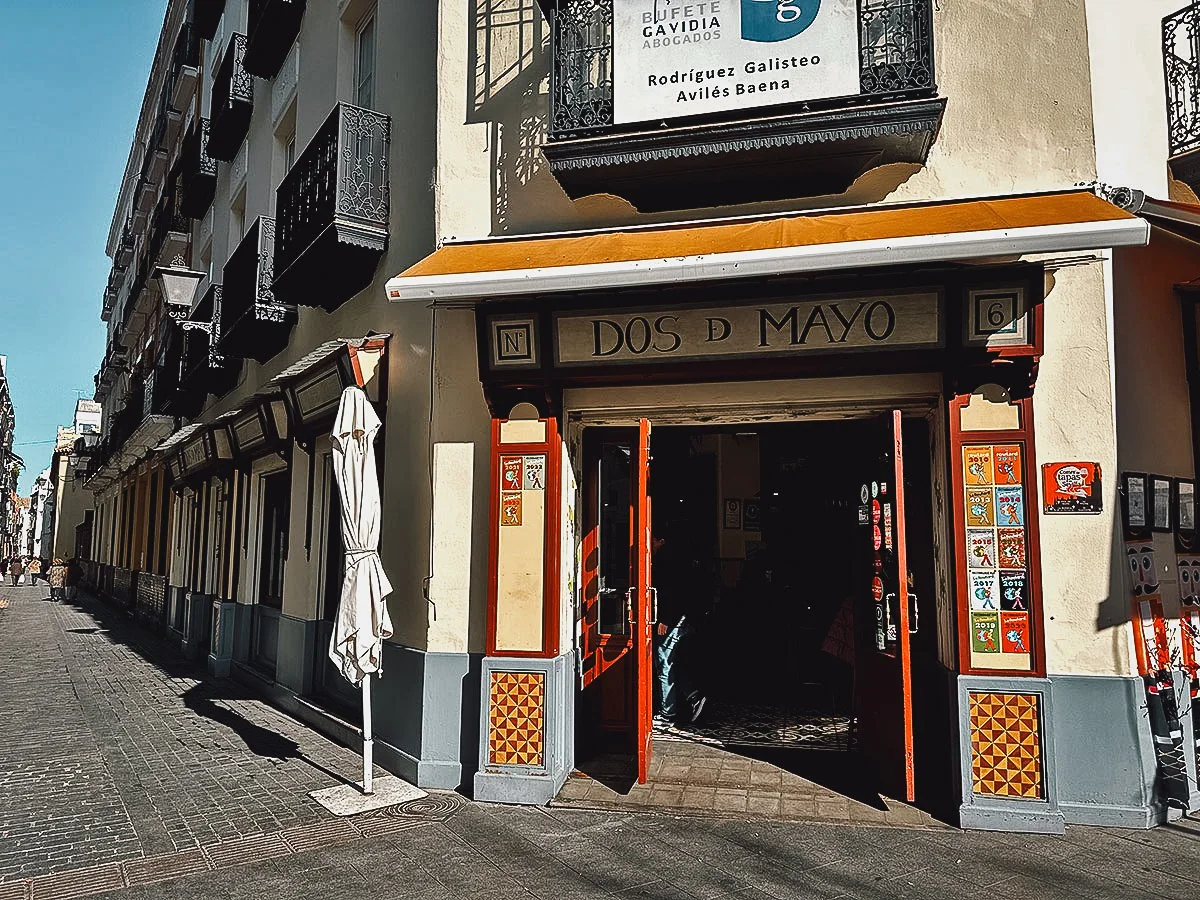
(777, 20)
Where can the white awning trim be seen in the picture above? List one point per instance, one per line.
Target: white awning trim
(775, 261)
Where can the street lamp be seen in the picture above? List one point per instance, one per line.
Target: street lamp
(179, 284)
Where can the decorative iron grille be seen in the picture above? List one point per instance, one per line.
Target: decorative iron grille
(896, 61)
(233, 83)
(342, 174)
(1181, 62)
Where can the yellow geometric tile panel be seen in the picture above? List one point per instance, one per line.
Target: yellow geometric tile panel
(1006, 746)
(516, 718)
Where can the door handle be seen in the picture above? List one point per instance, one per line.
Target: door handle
(653, 604)
(914, 613)
(629, 605)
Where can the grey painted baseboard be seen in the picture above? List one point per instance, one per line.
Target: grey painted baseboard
(1033, 821)
(1108, 816)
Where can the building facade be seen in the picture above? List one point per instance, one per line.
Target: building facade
(853, 310)
(10, 466)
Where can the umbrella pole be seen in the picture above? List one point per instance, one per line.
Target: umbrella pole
(368, 737)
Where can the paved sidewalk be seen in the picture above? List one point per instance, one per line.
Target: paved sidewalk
(128, 777)
(112, 749)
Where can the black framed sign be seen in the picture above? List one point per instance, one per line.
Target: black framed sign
(1134, 505)
(1184, 502)
(1160, 497)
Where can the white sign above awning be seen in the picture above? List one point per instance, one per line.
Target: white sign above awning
(674, 58)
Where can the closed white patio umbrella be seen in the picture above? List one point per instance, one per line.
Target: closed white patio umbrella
(362, 623)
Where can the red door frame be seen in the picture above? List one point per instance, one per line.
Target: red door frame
(904, 639)
(642, 626)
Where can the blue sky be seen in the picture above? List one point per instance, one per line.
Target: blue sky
(72, 75)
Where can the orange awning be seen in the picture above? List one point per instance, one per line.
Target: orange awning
(760, 247)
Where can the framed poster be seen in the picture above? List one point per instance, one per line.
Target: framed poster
(1185, 504)
(1072, 487)
(733, 513)
(1161, 498)
(1133, 502)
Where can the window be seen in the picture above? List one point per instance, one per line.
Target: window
(364, 63)
(289, 152)
(237, 220)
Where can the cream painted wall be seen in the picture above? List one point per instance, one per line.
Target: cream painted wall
(1082, 568)
(1128, 92)
(1019, 119)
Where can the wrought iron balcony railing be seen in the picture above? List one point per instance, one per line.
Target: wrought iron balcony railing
(272, 27)
(170, 229)
(197, 171)
(254, 324)
(896, 62)
(206, 15)
(333, 209)
(185, 66)
(232, 102)
(1181, 58)
(204, 365)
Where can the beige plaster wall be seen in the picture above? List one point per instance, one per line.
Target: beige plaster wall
(1015, 73)
(73, 503)
(1082, 568)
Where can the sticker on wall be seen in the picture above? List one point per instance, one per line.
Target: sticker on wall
(1007, 461)
(733, 513)
(752, 514)
(510, 473)
(510, 508)
(876, 537)
(1014, 632)
(1072, 487)
(985, 632)
(1014, 587)
(887, 526)
(534, 473)
(1012, 548)
(1010, 506)
(980, 512)
(981, 548)
(1188, 573)
(876, 512)
(985, 590)
(977, 465)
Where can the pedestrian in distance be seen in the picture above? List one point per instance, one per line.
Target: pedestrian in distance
(74, 575)
(34, 569)
(56, 575)
(16, 570)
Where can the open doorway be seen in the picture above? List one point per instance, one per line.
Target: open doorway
(767, 540)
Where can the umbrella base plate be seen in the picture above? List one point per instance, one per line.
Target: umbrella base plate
(349, 800)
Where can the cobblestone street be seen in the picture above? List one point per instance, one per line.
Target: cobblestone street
(127, 777)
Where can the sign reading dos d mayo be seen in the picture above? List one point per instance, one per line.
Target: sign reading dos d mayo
(836, 324)
(676, 58)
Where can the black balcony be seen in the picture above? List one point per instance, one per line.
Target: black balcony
(1181, 58)
(128, 245)
(197, 171)
(232, 102)
(185, 66)
(752, 154)
(205, 15)
(253, 324)
(203, 364)
(167, 390)
(272, 26)
(332, 211)
(170, 228)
